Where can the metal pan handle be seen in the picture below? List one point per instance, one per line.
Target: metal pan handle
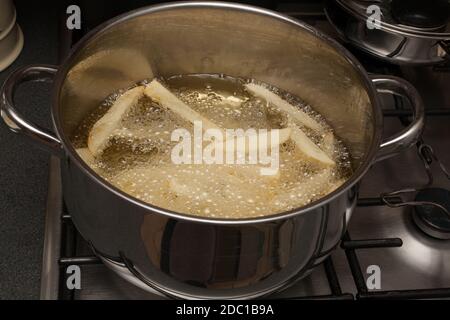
(14, 120)
(411, 134)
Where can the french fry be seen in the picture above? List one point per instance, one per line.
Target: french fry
(303, 142)
(105, 127)
(243, 145)
(194, 182)
(194, 185)
(301, 192)
(252, 172)
(158, 93)
(284, 106)
(328, 143)
(308, 148)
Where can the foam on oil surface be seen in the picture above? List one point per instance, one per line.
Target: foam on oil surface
(138, 160)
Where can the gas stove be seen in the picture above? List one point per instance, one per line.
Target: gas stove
(396, 246)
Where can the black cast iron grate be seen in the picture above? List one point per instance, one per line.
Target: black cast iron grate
(70, 236)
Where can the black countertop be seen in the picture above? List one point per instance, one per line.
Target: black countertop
(23, 167)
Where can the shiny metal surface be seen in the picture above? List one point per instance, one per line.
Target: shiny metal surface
(422, 262)
(194, 260)
(52, 239)
(392, 43)
(410, 135)
(14, 119)
(191, 257)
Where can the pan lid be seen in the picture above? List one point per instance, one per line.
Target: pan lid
(427, 19)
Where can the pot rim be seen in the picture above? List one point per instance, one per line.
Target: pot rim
(353, 180)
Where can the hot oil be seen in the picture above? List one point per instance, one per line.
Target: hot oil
(138, 157)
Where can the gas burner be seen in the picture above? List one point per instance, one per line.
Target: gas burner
(431, 14)
(432, 219)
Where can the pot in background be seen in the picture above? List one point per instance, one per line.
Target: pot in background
(7, 14)
(184, 256)
(413, 32)
(11, 37)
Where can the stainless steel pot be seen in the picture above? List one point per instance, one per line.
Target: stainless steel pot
(190, 257)
(392, 40)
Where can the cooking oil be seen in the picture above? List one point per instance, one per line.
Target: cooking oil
(138, 161)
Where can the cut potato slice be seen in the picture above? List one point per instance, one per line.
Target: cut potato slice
(284, 106)
(303, 142)
(195, 184)
(328, 143)
(309, 149)
(302, 191)
(220, 184)
(158, 93)
(252, 172)
(133, 134)
(243, 145)
(105, 127)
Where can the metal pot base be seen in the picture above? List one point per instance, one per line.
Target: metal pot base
(122, 271)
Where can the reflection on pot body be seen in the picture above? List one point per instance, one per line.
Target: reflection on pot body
(190, 259)
(184, 256)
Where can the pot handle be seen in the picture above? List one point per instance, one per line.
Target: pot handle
(411, 134)
(14, 120)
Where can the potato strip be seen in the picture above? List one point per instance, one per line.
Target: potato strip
(308, 148)
(302, 141)
(297, 114)
(244, 145)
(301, 190)
(105, 127)
(158, 93)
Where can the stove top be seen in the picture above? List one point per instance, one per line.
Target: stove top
(385, 254)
